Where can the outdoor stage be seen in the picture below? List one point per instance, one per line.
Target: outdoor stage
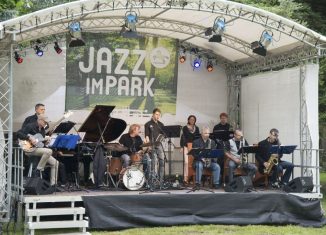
(115, 210)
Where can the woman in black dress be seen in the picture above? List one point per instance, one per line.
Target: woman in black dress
(189, 133)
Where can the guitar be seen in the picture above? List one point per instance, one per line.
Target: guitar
(39, 140)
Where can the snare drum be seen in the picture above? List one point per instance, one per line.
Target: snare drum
(115, 166)
(136, 159)
(132, 178)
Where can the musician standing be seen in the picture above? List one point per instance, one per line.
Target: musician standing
(263, 155)
(39, 109)
(223, 125)
(153, 129)
(132, 141)
(235, 145)
(26, 133)
(189, 133)
(206, 143)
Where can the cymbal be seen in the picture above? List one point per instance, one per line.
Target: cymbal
(115, 147)
(145, 145)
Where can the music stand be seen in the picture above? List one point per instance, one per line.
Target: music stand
(247, 149)
(282, 149)
(171, 132)
(204, 153)
(64, 127)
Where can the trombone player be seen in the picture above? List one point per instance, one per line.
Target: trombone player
(263, 156)
(235, 160)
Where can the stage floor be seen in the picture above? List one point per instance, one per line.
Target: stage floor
(115, 210)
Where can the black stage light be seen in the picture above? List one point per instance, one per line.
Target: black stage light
(75, 33)
(18, 58)
(57, 48)
(215, 38)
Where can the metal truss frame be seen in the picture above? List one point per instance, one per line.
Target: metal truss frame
(86, 10)
(6, 110)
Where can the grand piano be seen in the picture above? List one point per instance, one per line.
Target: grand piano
(99, 128)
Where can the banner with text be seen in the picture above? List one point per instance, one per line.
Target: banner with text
(133, 73)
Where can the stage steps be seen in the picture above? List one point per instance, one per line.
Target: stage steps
(52, 207)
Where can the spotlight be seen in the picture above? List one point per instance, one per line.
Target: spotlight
(219, 26)
(209, 66)
(218, 29)
(182, 59)
(131, 20)
(75, 33)
(266, 38)
(57, 48)
(182, 54)
(38, 51)
(259, 47)
(196, 63)
(18, 58)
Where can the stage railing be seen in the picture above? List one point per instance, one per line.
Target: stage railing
(306, 169)
(17, 180)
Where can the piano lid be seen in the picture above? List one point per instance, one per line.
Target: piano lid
(96, 121)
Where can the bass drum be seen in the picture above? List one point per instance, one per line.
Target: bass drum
(132, 178)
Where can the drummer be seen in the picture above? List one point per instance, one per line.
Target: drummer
(132, 141)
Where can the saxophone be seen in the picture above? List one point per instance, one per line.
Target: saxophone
(273, 161)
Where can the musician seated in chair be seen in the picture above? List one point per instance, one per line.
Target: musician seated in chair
(204, 142)
(132, 141)
(235, 160)
(27, 134)
(263, 156)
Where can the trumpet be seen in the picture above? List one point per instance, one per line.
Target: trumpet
(272, 161)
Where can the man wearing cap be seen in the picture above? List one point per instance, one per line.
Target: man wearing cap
(263, 155)
(27, 133)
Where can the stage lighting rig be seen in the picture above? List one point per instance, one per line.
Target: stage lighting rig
(218, 29)
(18, 58)
(57, 48)
(38, 47)
(182, 55)
(75, 33)
(259, 47)
(131, 20)
(209, 66)
(196, 63)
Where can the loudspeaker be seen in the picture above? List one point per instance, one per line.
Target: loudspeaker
(239, 184)
(299, 185)
(37, 186)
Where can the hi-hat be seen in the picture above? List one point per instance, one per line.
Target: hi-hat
(115, 147)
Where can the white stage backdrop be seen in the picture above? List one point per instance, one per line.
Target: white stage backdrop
(272, 100)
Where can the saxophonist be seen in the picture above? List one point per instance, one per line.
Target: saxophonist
(204, 142)
(263, 155)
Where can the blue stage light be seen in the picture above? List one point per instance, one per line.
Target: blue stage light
(197, 63)
(38, 51)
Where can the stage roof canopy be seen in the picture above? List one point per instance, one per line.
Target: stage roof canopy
(180, 19)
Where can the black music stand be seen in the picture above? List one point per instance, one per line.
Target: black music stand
(244, 150)
(171, 132)
(204, 153)
(282, 149)
(64, 127)
(222, 135)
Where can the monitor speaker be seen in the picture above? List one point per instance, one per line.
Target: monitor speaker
(239, 184)
(299, 185)
(37, 186)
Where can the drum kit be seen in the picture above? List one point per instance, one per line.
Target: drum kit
(132, 177)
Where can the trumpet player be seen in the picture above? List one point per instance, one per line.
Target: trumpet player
(263, 155)
(235, 160)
